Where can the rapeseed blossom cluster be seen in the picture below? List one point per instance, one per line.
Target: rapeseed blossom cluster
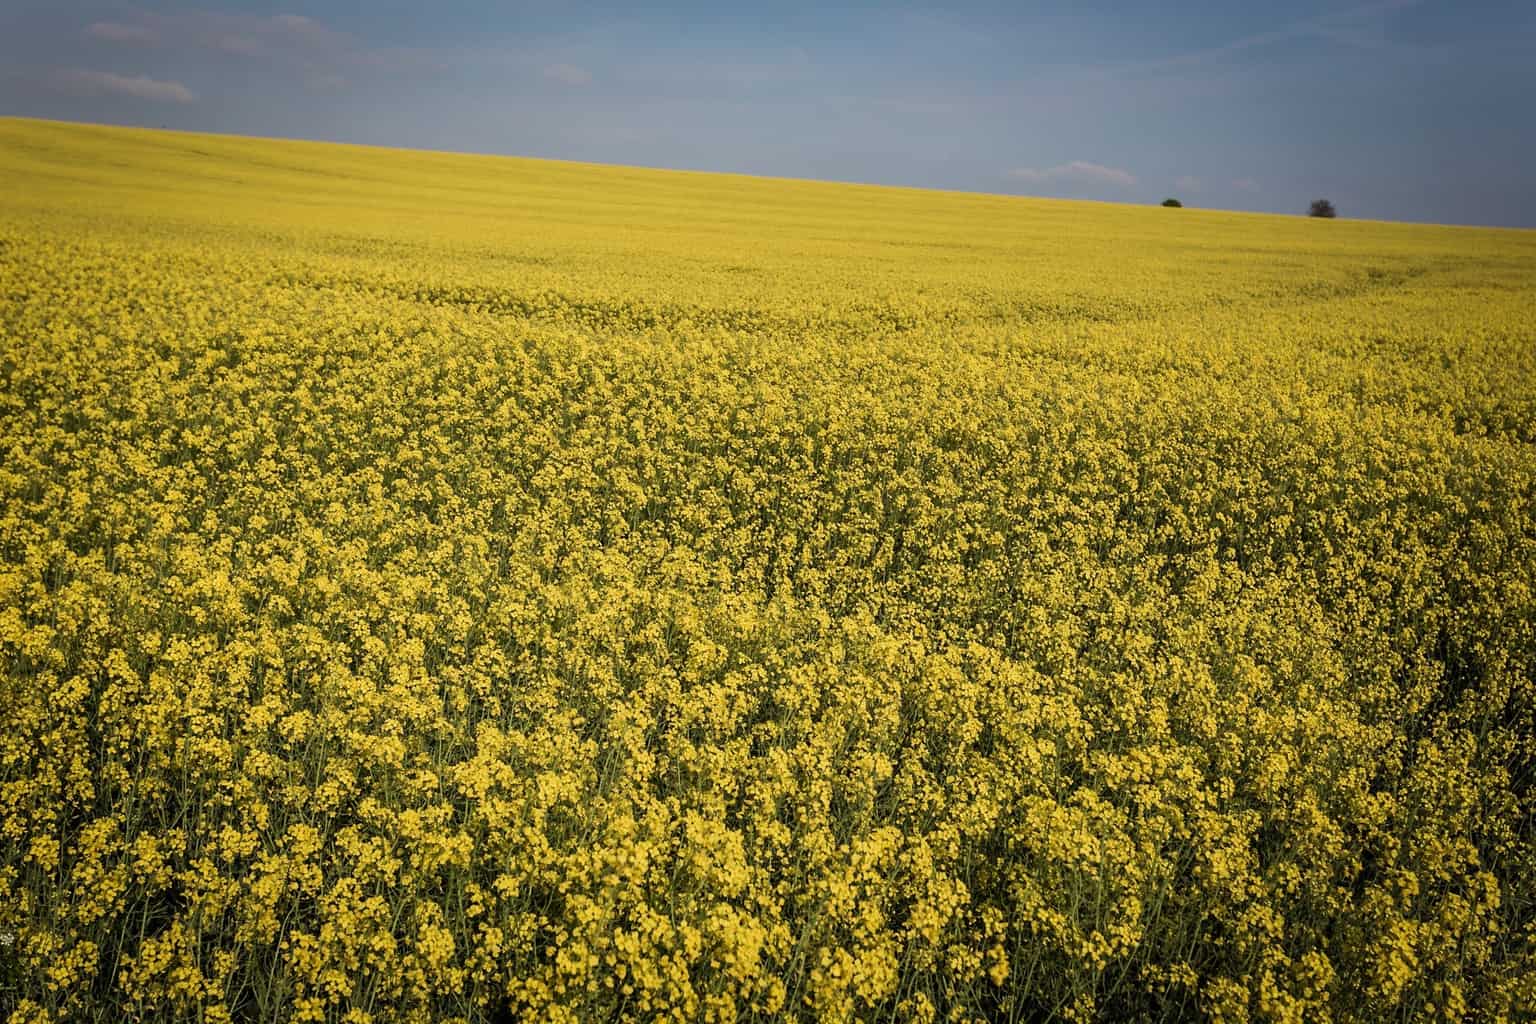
(445, 589)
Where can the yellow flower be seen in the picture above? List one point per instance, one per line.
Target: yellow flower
(435, 587)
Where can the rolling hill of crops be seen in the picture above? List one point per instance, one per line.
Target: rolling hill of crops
(437, 587)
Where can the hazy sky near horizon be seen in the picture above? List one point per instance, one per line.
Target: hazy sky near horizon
(1397, 109)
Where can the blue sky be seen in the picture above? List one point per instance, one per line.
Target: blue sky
(1398, 109)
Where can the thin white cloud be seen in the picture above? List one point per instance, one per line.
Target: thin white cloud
(288, 39)
(295, 22)
(1187, 182)
(568, 74)
(301, 29)
(1246, 185)
(1079, 172)
(241, 46)
(136, 86)
(1356, 26)
(117, 32)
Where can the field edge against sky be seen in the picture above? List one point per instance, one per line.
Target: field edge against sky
(1411, 110)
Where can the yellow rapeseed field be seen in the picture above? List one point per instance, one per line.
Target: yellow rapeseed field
(454, 588)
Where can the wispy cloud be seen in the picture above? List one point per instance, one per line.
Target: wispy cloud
(289, 39)
(117, 32)
(136, 86)
(568, 74)
(1188, 183)
(1245, 185)
(239, 45)
(302, 26)
(1360, 27)
(1079, 172)
(744, 71)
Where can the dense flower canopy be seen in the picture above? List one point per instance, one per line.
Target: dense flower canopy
(435, 587)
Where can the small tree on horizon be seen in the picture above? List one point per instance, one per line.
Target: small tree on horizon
(1322, 208)
(1174, 203)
